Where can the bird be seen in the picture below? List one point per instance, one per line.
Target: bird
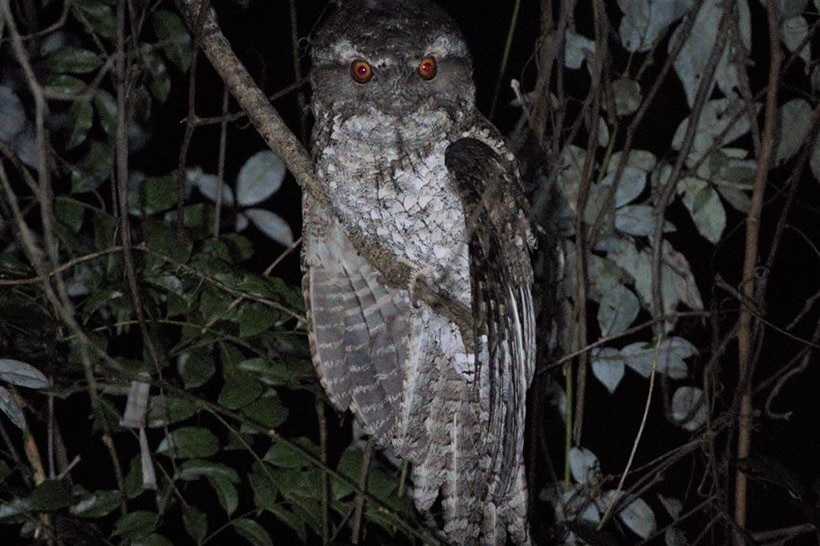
(407, 163)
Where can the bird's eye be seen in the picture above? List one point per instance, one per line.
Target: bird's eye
(427, 68)
(361, 71)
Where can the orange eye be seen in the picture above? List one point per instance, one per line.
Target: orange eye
(427, 68)
(361, 71)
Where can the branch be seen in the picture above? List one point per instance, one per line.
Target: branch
(394, 271)
(749, 286)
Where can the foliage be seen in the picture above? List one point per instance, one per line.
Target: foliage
(155, 382)
(628, 219)
(148, 379)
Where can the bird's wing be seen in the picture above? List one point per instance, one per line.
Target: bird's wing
(356, 326)
(501, 278)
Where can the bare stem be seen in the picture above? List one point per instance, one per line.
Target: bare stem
(746, 321)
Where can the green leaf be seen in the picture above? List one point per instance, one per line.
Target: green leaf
(165, 410)
(814, 162)
(638, 264)
(102, 299)
(230, 277)
(74, 60)
(93, 169)
(189, 442)
(106, 416)
(169, 290)
(239, 390)
(12, 266)
(639, 518)
(255, 318)
(608, 367)
(238, 442)
(152, 540)
(9, 406)
(737, 198)
(284, 456)
(578, 48)
(106, 106)
(225, 492)
(199, 218)
(267, 410)
(232, 248)
(174, 38)
(100, 17)
(263, 286)
(136, 524)
(14, 508)
(82, 115)
(133, 480)
(214, 303)
(269, 372)
(50, 495)
(196, 523)
(164, 242)
(265, 493)
(618, 308)
(668, 357)
(632, 181)
(627, 95)
(386, 519)
(302, 489)
(21, 374)
(719, 120)
(4, 470)
(68, 85)
(291, 371)
(231, 356)
(252, 532)
(13, 114)
(795, 121)
(274, 288)
(292, 520)
(378, 483)
(196, 367)
(260, 177)
(105, 230)
(604, 274)
(198, 468)
(636, 220)
(153, 194)
(70, 212)
(97, 504)
(159, 81)
(705, 206)
(671, 361)
(687, 402)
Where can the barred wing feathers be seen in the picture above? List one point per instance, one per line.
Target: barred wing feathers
(501, 279)
(356, 327)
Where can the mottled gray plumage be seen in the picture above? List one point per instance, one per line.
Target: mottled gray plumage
(407, 161)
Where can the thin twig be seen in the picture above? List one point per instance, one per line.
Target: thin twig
(220, 169)
(358, 511)
(505, 57)
(610, 507)
(319, 404)
(190, 125)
